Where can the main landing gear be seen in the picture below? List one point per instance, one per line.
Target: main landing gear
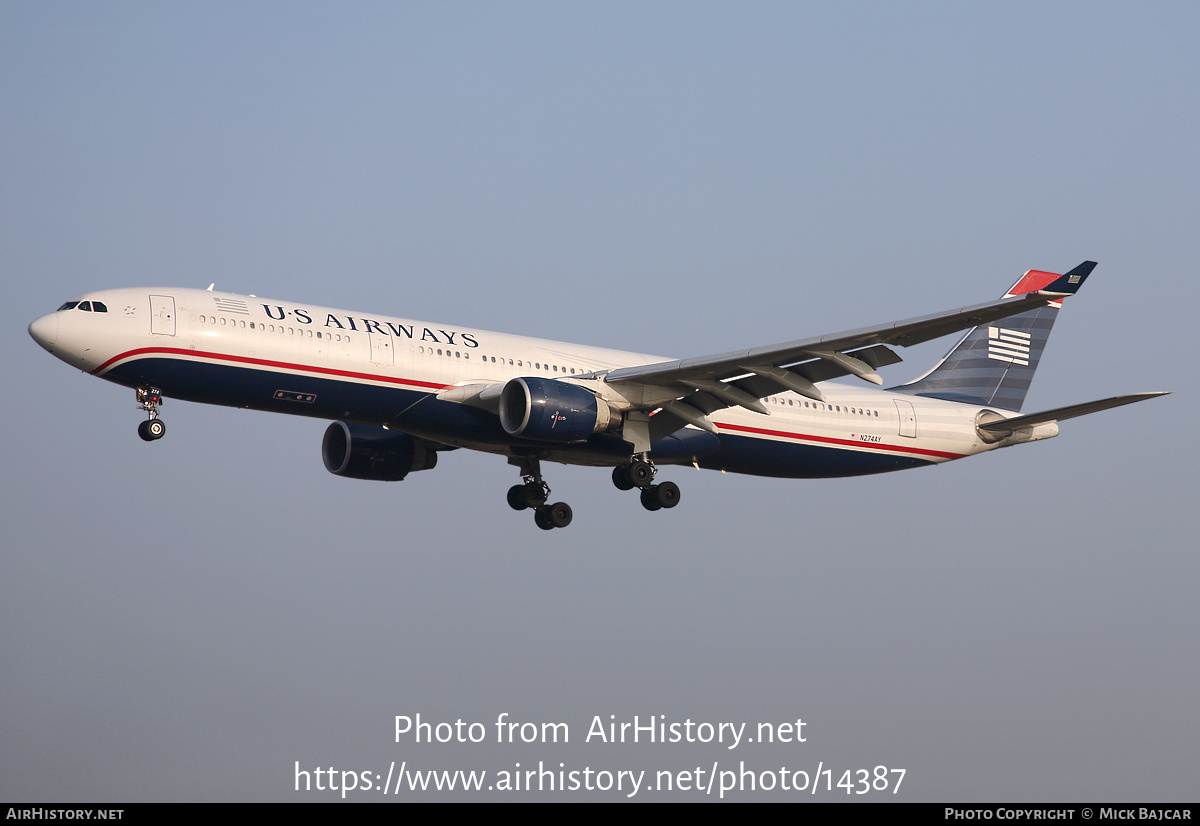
(533, 493)
(640, 474)
(154, 428)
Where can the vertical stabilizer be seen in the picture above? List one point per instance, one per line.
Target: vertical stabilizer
(993, 364)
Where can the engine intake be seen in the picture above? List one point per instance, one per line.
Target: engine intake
(363, 451)
(553, 411)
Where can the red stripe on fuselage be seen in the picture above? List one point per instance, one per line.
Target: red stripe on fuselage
(350, 374)
(281, 365)
(868, 446)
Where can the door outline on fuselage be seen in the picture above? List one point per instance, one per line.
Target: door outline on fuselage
(162, 315)
(382, 351)
(907, 418)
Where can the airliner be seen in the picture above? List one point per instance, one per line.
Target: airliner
(401, 391)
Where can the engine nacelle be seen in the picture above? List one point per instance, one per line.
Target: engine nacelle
(553, 411)
(363, 451)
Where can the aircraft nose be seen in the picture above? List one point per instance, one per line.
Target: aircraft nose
(45, 330)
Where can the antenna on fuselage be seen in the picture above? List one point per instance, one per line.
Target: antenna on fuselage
(210, 286)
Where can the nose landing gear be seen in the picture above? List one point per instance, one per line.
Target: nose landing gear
(533, 493)
(154, 428)
(640, 473)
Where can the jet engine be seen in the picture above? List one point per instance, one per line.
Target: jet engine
(363, 451)
(553, 411)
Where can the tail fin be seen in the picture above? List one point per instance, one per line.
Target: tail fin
(994, 364)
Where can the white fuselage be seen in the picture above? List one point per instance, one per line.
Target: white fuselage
(267, 354)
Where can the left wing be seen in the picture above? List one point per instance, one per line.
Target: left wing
(689, 390)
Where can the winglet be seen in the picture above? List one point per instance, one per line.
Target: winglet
(1070, 282)
(1049, 282)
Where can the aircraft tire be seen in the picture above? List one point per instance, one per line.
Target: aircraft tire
(641, 473)
(621, 477)
(667, 494)
(533, 494)
(516, 498)
(157, 428)
(541, 517)
(559, 515)
(650, 499)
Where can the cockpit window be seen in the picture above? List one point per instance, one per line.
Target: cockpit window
(86, 306)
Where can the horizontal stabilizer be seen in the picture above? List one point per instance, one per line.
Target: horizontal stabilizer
(1002, 426)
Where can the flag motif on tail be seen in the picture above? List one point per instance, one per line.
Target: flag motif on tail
(1008, 345)
(994, 365)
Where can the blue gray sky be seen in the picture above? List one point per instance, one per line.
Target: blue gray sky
(186, 620)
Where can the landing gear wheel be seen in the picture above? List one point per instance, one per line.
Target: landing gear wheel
(621, 477)
(559, 514)
(534, 494)
(641, 473)
(149, 399)
(667, 494)
(661, 496)
(152, 430)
